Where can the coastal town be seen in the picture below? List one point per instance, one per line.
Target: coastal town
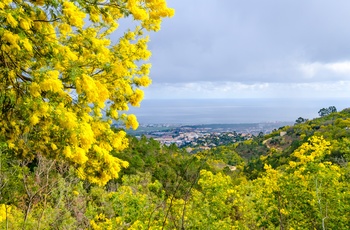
(204, 137)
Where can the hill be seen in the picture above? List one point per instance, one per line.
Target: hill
(295, 177)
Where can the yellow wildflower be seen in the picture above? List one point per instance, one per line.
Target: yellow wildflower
(4, 211)
(75, 193)
(53, 146)
(34, 119)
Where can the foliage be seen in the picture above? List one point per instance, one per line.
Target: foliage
(304, 186)
(59, 158)
(300, 120)
(58, 68)
(326, 111)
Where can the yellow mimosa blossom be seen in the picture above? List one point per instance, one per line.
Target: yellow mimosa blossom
(65, 29)
(114, 114)
(143, 81)
(10, 20)
(27, 45)
(67, 152)
(74, 15)
(136, 98)
(24, 24)
(79, 155)
(87, 137)
(68, 81)
(131, 122)
(10, 37)
(54, 85)
(68, 120)
(34, 89)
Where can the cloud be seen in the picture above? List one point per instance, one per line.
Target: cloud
(245, 49)
(270, 41)
(317, 71)
(336, 89)
(339, 67)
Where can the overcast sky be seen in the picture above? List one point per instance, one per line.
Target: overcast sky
(245, 48)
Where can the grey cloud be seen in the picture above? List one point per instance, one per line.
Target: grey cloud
(250, 41)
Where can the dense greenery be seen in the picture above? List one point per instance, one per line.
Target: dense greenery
(299, 180)
(62, 166)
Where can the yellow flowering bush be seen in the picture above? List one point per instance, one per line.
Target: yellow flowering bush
(63, 81)
(313, 150)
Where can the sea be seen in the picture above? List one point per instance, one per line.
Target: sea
(231, 111)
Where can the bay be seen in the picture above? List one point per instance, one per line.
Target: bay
(231, 111)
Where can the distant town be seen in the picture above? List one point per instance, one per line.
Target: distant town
(202, 137)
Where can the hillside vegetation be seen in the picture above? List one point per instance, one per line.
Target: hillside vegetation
(297, 180)
(64, 82)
